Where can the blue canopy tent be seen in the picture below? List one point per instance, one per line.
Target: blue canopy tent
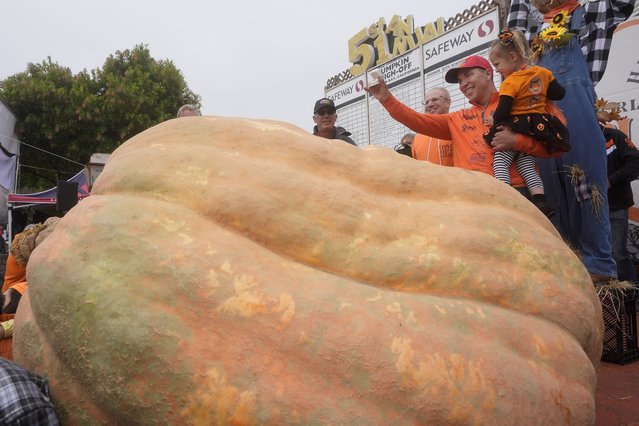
(44, 200)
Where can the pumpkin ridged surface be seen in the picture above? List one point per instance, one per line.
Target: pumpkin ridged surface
(241, 271)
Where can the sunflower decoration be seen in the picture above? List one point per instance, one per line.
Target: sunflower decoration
(556, 35)
(552, 33)
(561, 19)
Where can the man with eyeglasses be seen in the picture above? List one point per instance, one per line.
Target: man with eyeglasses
(324, 116)
(429, 148)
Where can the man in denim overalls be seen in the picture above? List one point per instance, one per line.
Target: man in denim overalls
(576, 183)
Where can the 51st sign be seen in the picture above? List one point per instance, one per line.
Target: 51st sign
(379, 43)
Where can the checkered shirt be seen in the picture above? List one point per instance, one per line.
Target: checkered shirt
(601, 17)
(24, 397)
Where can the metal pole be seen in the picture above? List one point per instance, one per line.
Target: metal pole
(9, 225)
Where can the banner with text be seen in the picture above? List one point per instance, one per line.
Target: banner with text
(450, 49)
(403, 77)
(408, 77)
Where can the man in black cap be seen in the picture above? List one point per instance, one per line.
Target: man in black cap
(324, 116)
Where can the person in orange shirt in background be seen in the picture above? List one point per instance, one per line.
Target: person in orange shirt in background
(428, 148)
(15, 272)
(15, 282)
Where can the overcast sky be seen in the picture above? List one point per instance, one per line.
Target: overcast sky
(257, 59)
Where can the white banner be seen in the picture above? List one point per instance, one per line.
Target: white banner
(399, 68)
(454, 45)
(408, 77)
(347, 92)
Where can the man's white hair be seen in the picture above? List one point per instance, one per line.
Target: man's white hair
(187, 107)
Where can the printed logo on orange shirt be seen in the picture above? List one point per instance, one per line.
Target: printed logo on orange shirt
(478, 158)
(468, 128)
(535, 86)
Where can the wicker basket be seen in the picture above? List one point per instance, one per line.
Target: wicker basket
(619, 309)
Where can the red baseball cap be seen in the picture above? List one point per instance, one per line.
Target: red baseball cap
(470, 62)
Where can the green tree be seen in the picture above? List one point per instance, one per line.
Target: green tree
(66, 116)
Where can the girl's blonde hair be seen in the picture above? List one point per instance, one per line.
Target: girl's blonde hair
(513, 41)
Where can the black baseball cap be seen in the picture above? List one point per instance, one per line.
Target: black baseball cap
(324, 103)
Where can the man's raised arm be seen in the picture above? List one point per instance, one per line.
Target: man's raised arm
(435, 125)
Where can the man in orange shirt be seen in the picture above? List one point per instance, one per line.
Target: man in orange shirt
(465, 128)
(428, 148)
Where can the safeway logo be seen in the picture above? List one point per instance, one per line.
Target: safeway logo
(359, 86)
(486, 28)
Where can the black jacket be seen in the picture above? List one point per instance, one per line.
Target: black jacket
(623, 168)
(339, 133)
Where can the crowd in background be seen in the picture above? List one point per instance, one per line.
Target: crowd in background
(540, 133)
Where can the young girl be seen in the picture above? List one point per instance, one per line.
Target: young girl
(522, 106)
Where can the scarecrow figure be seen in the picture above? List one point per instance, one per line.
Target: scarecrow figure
(573, 41)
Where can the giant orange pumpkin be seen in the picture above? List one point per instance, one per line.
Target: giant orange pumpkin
(233, 271)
